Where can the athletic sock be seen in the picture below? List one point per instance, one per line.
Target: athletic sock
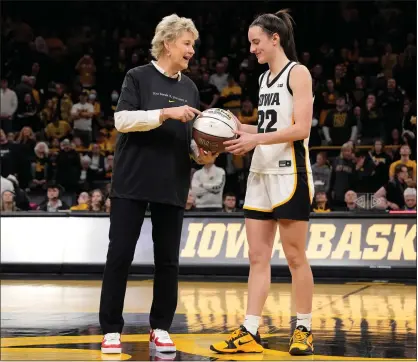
(251, 323)
(304, 320)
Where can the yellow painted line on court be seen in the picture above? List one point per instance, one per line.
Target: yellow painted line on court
(378, 283)
(53, 354)
(196, 344)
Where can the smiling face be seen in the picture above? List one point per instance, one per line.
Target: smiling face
(181, 50)
(262, 45)
(96, 198)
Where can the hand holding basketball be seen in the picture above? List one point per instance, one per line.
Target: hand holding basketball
(183, 113)
(237, 121)
(240, 146)
(212, 128)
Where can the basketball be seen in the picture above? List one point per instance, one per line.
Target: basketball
(212, 128)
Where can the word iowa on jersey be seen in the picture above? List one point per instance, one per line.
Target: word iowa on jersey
(275, 112)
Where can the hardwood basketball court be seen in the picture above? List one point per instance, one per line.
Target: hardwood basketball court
(58, 320)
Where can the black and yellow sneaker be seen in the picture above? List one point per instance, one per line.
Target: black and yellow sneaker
(301, 343)
(240, 341)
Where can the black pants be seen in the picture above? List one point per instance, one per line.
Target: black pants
(126, 219)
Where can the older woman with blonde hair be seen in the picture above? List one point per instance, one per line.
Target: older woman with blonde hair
(152, 167)
(41, 166)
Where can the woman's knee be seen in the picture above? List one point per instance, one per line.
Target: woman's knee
(259, 257)
(296, 259)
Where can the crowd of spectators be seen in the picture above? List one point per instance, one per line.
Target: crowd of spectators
(59, 90)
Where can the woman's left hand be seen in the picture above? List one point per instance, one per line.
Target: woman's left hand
(239, 146)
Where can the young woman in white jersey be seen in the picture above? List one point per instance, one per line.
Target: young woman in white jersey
(280, 185)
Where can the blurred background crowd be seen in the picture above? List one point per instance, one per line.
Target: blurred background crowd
(63, 65)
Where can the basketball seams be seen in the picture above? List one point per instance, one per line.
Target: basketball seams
(215, 138)
(205, 116)
(210, 135)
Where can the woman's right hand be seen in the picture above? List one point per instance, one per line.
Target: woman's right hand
(183, 113)
(239, 124)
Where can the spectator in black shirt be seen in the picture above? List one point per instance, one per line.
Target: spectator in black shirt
(26, 113)
(340, 125)
(382, 161)
(41, 168)
(327, 100)
(391, 102)
(350, 199)
(358, 94)
(209, 94)
(403, 75)
(408, 119)
(393, 191)
(371, 121)
(68, 167)
(342, 175)
(152, 167)
(23, 88)
(369, 58)
(365, 169)
(340, 81)
(53, 202)
(9, 156)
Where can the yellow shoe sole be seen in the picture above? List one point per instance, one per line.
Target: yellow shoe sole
(299, 352)
(212, 348)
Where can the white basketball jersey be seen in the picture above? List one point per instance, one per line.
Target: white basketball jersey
(275, 112)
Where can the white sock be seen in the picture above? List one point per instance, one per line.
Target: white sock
(251, 323)
(304, 320)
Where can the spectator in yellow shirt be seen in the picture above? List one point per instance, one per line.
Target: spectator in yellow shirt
(231, 96)
(35, 92)
(110, 132)
(103, 142)
(78, 146)
(320, 203)
(47, 114)
(86, 69)
(83, 202)
(57, 129)
(248, 114)
(62, 103)
(405, 153)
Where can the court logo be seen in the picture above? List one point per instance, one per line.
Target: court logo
(368, 201)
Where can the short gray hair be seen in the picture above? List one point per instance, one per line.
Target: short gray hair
(169, 29)
(410, 192)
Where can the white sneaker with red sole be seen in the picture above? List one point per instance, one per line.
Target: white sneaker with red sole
(160, 341)
(162, 356)
(111, 343)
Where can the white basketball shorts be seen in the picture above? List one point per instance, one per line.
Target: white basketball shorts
(273, 197)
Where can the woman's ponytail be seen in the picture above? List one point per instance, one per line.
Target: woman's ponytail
(287, 41)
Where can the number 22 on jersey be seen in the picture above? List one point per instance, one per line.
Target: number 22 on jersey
(267, 121)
